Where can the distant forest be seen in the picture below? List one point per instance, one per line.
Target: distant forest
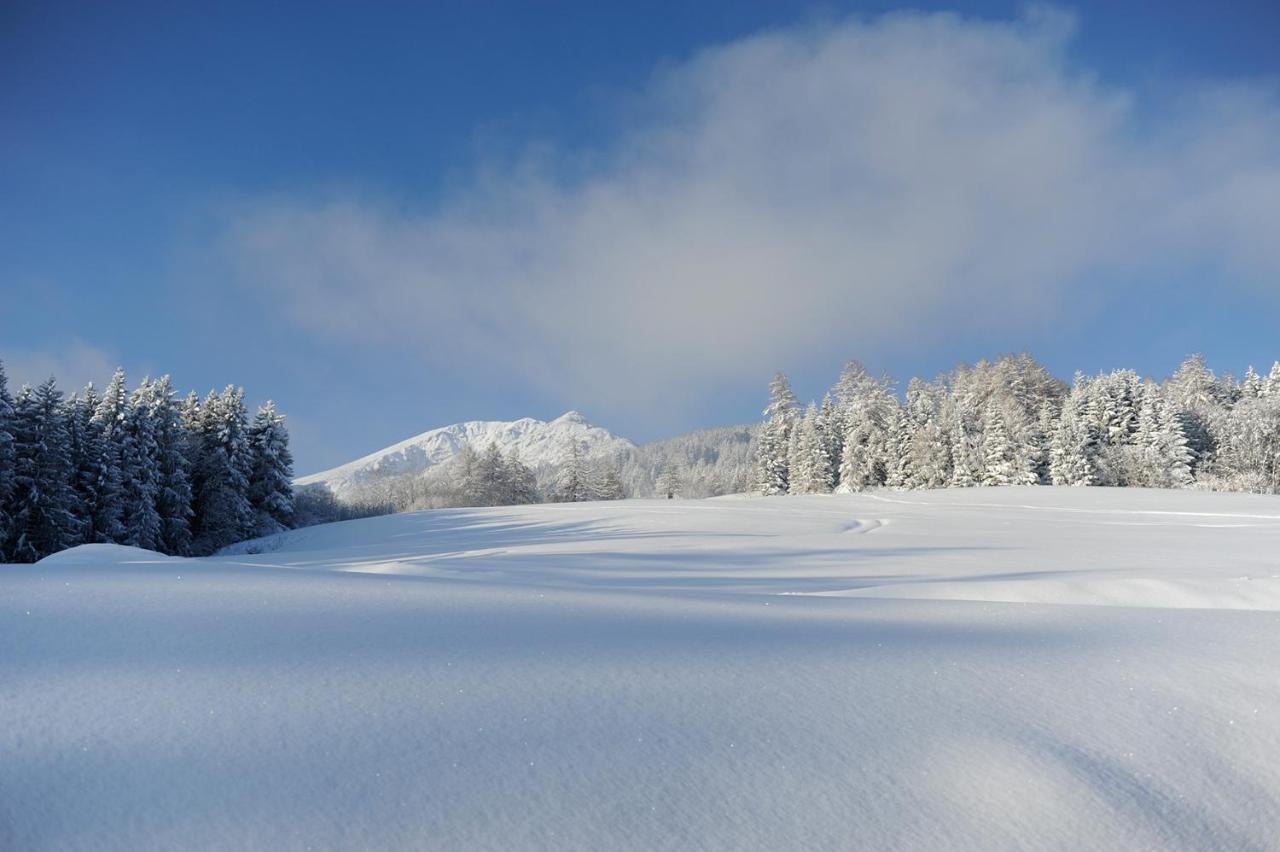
(1009, 422)
(701, 464)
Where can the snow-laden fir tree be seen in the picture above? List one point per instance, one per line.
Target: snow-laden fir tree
(999, 461)
(1249, 458)
(1251, 386)
(611, 487)
(575, 481)
(869, 410)
(901, 436)
(810, 466)
(774, 447)
(173, 469)
(1271, 384)
(966, 447)
(271, 472)
(1072, 448)
(96, 478)
(140, 483)
(7, 459)
(521, 482)
(669, 482)
(42, 504)
(491, 477)
(928, 453)
(220, 477)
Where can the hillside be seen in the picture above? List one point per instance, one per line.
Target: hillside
(963, 669)
(539, 443)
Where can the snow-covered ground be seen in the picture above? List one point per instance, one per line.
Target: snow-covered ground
(987, 668)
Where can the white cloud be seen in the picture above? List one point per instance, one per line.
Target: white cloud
(825, 188)
(74, 366)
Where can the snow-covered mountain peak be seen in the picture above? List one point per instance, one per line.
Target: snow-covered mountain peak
(538, 443)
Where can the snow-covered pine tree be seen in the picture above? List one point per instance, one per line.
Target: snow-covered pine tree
(774, 447)
(220, 480)
(928, 452)
(42, 503)
(173, 467)
(998, 454)
(7, 460)
(833, 432)
(869, 410)
(271, 472)
(1196, 398)
(1271, 384)
(139, 487)
(492, 475)
(966, 446)
(611, 487)
(575, 482)
(98, 475)
(1251, 387)
(109, 420)
(468, 478)
(810, 466)
(669, 483)
(1174, 447)
(521, 480)
(898, 463)
(1071, 451)
(1151, 461)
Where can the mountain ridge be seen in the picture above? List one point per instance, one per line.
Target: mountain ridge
(537, 442)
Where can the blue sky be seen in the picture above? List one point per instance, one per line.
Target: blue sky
(393, 216)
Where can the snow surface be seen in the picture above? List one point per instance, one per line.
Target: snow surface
(982, 668)
(538, 442)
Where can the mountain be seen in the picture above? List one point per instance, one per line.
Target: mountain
(540, 443)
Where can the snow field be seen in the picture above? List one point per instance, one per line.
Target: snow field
(988, 668)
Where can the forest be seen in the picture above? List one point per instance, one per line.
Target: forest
(138, 468)
(1009, 422)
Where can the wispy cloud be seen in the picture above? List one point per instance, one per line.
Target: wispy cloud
(73, 365)
(833, 186)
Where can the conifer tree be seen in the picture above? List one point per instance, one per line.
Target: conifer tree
(42, 503)
(774, 448)
(521, 479)
(611, 487)
(173, 469)
(1271, 384)
(810, 466)
(271, 472)
(96, 479)
(220, 481)
(999, 466)
(8, 461)
(670, 482)
(139, 487)
(575, 483)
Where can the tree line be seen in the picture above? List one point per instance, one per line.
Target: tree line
(1010, 422)
(138, 468)
(489, 477)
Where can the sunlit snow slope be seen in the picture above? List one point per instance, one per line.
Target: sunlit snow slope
(536, 442)
(987, 668)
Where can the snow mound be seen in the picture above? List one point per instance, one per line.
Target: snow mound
(538, 443)
(104, 555)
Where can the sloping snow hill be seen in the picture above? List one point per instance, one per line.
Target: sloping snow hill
(980, 669)
(538, 443)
